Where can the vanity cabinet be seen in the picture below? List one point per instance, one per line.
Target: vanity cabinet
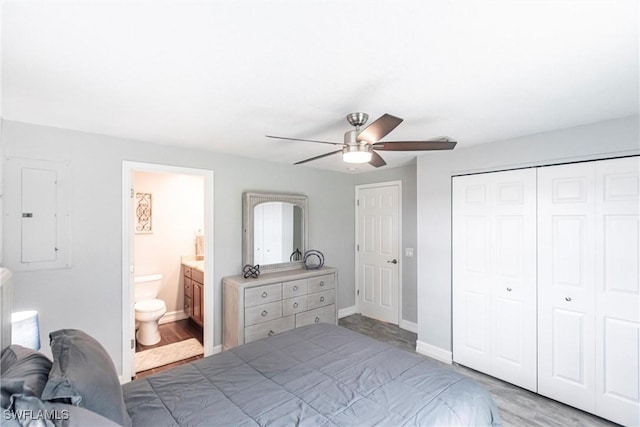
(276, 302)
(193, 294)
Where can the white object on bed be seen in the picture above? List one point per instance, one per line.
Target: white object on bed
(25, 329)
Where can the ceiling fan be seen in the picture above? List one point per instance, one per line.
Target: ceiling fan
(361, 146)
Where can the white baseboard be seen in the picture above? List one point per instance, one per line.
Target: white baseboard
(347, 312)
(217, 349)
(434, 352)
(409, 326)
(173, 316)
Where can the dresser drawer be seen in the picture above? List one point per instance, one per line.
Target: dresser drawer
(266, 329)
(321, 283)
(320, 299)
(319, 315)
(187, 270)
(294, 305)
(294, 288)
(262, 313)
(262, 294)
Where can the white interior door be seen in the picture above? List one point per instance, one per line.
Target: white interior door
(566, 304)
(617, 287)
(494, 274)
(378, 236)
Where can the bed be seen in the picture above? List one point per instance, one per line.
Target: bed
(317, 375)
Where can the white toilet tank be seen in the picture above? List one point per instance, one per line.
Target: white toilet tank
(147, 287)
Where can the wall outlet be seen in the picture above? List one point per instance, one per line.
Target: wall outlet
(408, 252)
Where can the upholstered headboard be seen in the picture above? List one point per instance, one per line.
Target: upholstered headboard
(6, 303)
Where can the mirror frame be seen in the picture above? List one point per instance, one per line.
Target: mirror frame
(251, 200)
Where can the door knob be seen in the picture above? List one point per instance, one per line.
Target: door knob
(393, 261)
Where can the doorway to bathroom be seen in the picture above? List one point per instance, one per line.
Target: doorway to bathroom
(167, 266)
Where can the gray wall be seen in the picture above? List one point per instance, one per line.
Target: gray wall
(406, 174)
(434, 172)
(88, 295)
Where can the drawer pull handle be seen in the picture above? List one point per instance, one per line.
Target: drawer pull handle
(321, 299)
(295, 288)
(317, 319)
(271, 332)
(322, 283)
(264, 295)
(264, 313)
(568, 299)
(508, 289)
(295, 305)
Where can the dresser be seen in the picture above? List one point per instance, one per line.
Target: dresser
(277, 302)
(193, 292)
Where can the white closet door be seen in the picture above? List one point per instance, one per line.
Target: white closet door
(618, 290)
(566, 284)
(494, 274)
(472, 271)
(513, 277)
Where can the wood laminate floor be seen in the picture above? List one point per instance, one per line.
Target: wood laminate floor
(171, 333)
(518, 407)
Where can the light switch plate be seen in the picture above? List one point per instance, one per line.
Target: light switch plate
(408, 252)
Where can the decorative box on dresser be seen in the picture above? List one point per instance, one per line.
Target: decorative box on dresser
(276, 302)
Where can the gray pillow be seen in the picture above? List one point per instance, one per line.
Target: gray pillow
(83, 374)
(22, 371)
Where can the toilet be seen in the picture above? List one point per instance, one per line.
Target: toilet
(148, 309)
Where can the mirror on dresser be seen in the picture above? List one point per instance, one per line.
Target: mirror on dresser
(274, 230)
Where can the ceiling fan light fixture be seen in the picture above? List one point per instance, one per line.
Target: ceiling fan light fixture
(357, 153)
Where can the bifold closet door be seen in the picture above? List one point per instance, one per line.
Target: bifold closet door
(566, 272)
(588, 287)
(617, 286)
(494, 274)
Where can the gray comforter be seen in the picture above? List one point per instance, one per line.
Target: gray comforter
(318, 375)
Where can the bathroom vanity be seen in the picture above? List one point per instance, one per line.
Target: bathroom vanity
(276, 302)
(194, 291)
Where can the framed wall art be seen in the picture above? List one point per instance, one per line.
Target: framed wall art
(144, 213)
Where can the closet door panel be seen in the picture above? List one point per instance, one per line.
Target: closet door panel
(513, 277)
(508, 317)
(566, 302)
(471, 290)
(569, 347)
(494, 283)
(618, 290)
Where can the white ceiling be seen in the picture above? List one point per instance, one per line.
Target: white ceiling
(219, 75)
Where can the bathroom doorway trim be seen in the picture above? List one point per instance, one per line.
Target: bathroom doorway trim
(128, 328)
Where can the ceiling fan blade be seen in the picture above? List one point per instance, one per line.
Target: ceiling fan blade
(303, 140)
(317, 157)
(379, 128)
(415, 145)
(376, 160)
